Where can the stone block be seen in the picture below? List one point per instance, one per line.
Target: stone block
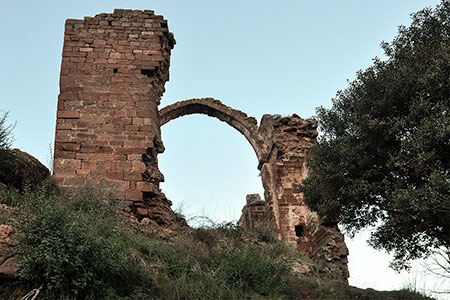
(115, 175)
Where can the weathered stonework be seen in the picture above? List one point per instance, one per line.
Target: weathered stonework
(108, 128)
(113, 72)
(253, 213)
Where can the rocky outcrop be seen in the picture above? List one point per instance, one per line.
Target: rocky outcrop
(8, 260)
(18, 168)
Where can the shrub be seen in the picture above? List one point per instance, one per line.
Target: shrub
(6, 136)
(250, 270)
(74, 246)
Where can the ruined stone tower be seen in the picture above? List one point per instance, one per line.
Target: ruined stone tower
(113, 72)
(108, 129)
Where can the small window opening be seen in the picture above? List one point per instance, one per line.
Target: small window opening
(164, 25)
(148, 73)
(115, 70)
(299, 230)
(110, 23)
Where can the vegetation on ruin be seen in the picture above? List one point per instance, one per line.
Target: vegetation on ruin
(383, 158)
(75, 246)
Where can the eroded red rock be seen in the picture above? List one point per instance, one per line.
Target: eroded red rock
(8, 260)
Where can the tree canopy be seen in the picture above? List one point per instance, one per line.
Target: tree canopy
(383, 157)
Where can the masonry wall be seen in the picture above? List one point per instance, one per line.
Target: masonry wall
(113, 71)
(287, 140)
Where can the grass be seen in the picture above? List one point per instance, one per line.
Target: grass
(76, 246)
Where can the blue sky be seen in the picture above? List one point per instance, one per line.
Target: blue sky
(260, 57)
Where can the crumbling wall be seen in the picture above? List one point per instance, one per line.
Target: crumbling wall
(113, 72)
(285, 167)
(254, 212)
(282, 171)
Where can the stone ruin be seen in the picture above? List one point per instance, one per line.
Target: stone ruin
(108, 130)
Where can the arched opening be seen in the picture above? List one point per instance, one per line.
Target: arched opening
(244, 124)
(209, 169)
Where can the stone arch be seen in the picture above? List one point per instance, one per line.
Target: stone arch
(246, 125)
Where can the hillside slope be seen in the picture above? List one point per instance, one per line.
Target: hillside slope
(75, 246)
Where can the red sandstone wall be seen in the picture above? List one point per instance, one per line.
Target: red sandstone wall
(113, 72)
(282, 171)
(289, 139)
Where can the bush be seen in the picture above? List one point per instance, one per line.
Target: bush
(73, 245)
(250, 270)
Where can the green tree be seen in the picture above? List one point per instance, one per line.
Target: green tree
(384, 153)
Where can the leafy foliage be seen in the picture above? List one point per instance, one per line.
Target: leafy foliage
(385, 150)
